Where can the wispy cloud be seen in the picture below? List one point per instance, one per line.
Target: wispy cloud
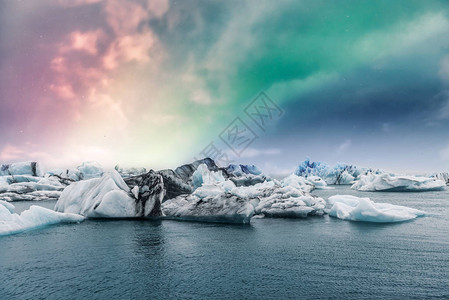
(343, 147)
(253, 152)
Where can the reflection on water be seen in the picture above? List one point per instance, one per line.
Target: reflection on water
(319, 257)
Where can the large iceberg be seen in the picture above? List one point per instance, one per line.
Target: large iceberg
(186, 178)
(353, 208)
(286, 200)
(223, 201)
(32, 218)
(210, 204)
(110, 197)
(397, 183)
(341, 174)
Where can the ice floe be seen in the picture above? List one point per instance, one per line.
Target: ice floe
(347, 207)
(32, 218)
(397, 183)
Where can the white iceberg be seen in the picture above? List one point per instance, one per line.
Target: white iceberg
(31, 168)
(442, 176)
(87, 170)
(211, 203)
(29, 188)
(340, 174)
(287, 199)
(202, 175)
(223, 201)
(298, 182)
(397, 183)
(110, 197)
(241, 170)
(353, 208)
(32, 218)
(317, 181)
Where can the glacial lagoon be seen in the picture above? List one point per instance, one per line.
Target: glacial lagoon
(317, 257)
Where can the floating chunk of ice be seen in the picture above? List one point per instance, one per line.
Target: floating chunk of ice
(32, 218)
(386, 182)
(353, 208)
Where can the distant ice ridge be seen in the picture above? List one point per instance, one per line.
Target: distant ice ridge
(218, 200)
(202, 175)
(441, 176)
(34, 217)
(87, 170)
(130, 172)
(30, 168)
(110, 197)
(339, 174)
(353, 208)
(30, 188)
(397, 183)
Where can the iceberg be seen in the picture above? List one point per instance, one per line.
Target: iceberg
(340, 174)
(212, 203)
(31, 168)
(245, 175)
(298, 182)
(34, 217)
(444, 176)
(202, 175)
(397, 183)
(130, 172)
(223, 201)
(240, 170)
(30, 188)
(87, 170)
(174, 185)
(287, 199)
(318, 182)
(186, 178)
(353, 208)
(210, 206)
(110, 196)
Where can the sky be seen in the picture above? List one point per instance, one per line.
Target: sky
(158, 83)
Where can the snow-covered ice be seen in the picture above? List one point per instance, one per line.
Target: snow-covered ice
(318, 182)
(87, 170)
(21, 168)
(397, 183)
(342, 174)
(202, 175)
(353, 208)
(298, 182)
(442, 176)
(32, 218)
(223, 201)
(110, 197)
(31, 188)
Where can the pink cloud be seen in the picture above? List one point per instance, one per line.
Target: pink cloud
(64, 91)
(84, 41)
(10, 152)
(72, 3)
(158, 8)
(129, 48)
(124, 17)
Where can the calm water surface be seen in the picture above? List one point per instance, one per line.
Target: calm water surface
(318, 257)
